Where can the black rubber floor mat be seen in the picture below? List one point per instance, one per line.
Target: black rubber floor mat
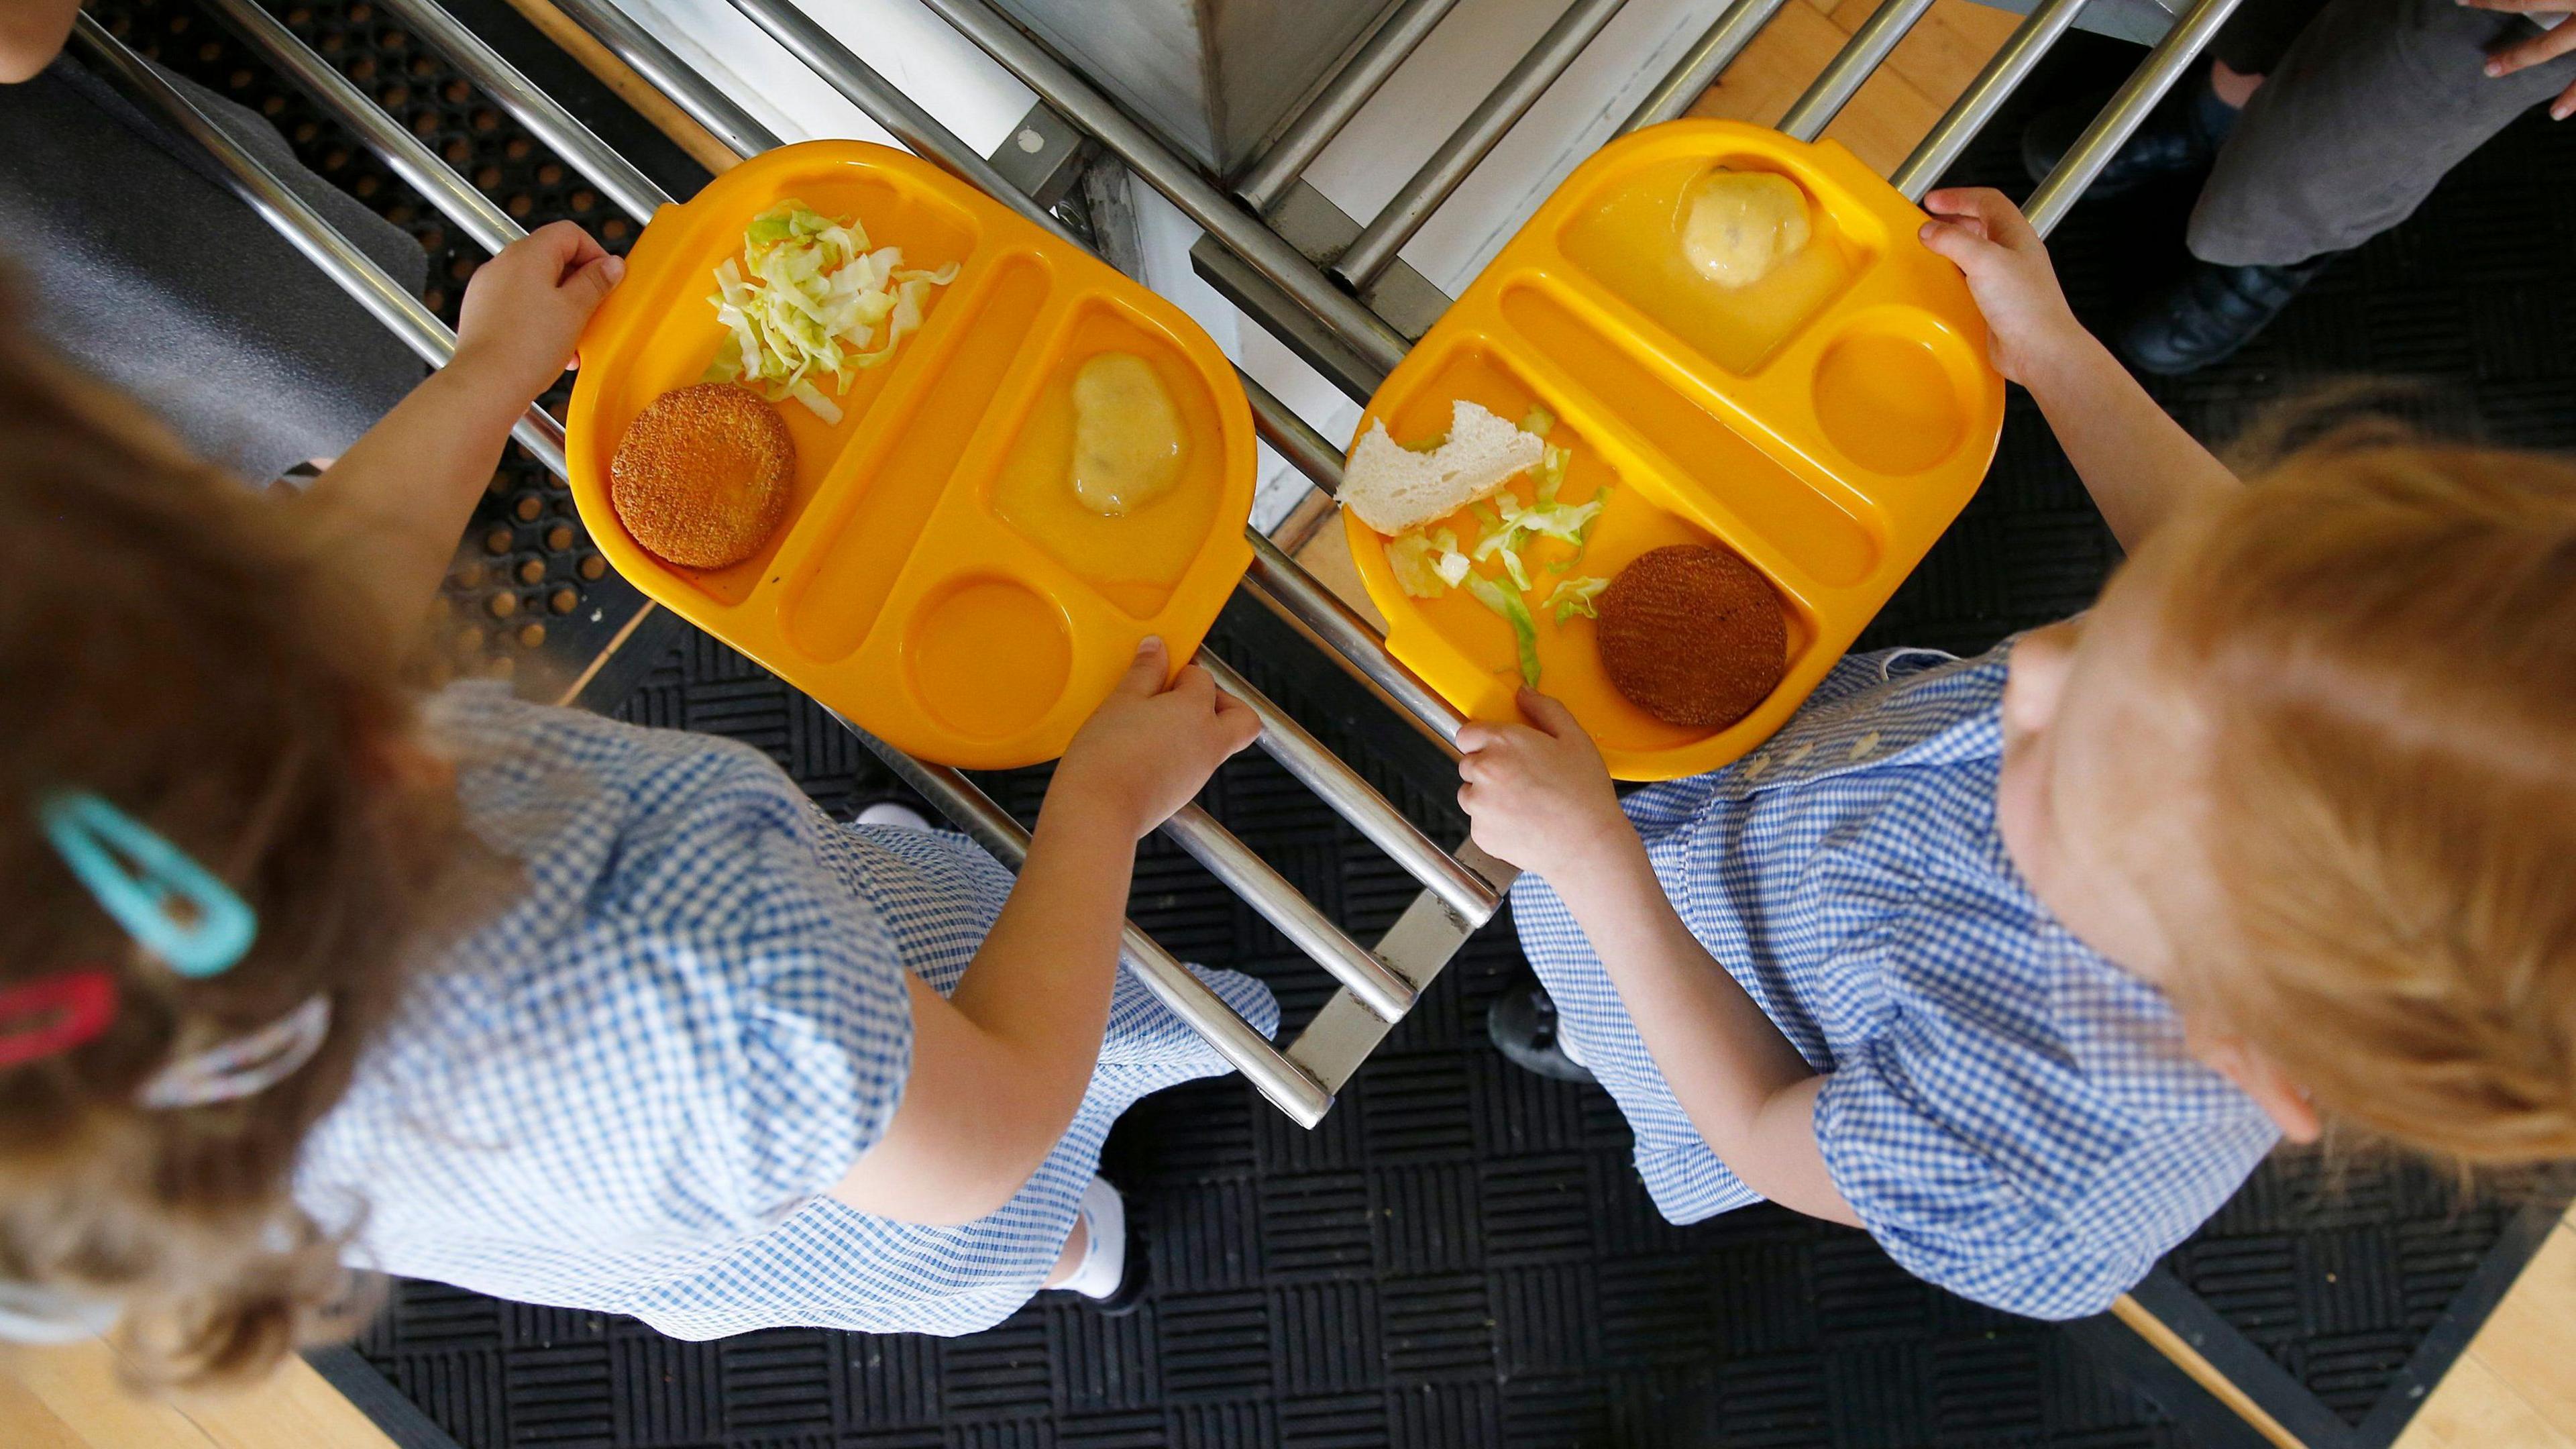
(1460, 1255)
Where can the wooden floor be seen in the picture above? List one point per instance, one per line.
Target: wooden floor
(2514, 1389)
(68, 1398)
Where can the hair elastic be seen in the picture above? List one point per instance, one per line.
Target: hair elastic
(242, 1066)
(91, 835)
(53, 1014)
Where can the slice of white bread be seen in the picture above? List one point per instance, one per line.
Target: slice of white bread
(1392, 488)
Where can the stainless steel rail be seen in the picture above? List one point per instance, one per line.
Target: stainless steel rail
(2003, 74)
(1290, 1087)
(304, 228)
(1325, 773)
(1382, 991)
(1294, 1089)
(1234, 865)
(2057, 193)
(1413, 203)
(1312, 129)
(1278, 262)
(1276, 577)
(409, 156)
(626, 188)
(1462, 889)
(653, 60)
(1851, 67)
(1700, 66)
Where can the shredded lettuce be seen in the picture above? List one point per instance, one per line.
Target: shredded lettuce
(1515, 612)
(1538, 421)
(1432, 444)
(1551, 471)
(1426, 565)
(1575, 596)
(818, 304)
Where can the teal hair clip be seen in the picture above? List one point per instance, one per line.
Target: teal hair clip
(171, 906)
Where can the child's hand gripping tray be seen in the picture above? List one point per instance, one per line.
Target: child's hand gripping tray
(1809, 391)
(1004, 475)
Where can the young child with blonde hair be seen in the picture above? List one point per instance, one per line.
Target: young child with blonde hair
(2023, 962)
(299, 973)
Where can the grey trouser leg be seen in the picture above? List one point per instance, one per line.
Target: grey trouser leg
(2372, 104)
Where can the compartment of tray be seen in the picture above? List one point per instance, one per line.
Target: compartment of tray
(836, 588)
(669, 334)
(1625, 235)
(1814, 523)
(1137, 559)
(1457, 640)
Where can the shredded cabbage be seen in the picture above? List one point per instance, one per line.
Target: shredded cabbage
(818, 303)
(1551, 471)
(1515, 612)
(1538, 421)
(1426, 565)
(1575, 596)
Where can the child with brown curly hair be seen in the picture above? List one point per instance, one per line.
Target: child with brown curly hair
(299, 972)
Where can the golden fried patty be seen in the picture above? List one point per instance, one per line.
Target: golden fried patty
(703, 475)
(1693, 636)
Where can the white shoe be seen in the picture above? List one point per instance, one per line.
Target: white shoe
(892, 813)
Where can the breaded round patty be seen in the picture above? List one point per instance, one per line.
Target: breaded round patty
(1693, 636)
(703, 475)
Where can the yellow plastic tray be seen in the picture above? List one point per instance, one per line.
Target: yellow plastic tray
(934, 581)
(1826, 423)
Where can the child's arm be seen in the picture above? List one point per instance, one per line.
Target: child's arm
(31, 35)
(2137, 462)
(999, 1067)
(1541, 798)
(396, 502)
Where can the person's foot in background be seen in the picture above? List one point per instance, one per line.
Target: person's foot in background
(1522, 1023)
(2180, 137)
(2208, 312)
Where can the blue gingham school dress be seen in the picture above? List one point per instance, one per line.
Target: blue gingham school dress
(630, 1090)
(2012, 1116)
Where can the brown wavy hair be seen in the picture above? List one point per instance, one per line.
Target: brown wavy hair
(2380, 633)
(167, 642)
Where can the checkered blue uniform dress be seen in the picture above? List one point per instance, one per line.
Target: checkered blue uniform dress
(2011, 1115)
(630, 1090)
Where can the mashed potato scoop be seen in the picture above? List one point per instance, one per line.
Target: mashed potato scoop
(1737, 226)
(1127, 435)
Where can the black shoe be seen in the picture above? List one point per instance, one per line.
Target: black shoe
(2180, 137)
(2208, 313)
(1522, 1023)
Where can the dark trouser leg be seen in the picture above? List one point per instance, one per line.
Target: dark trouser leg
(2371, 105)
(2260, 32)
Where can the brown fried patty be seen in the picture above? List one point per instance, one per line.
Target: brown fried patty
(703, 474)
(1693, 636)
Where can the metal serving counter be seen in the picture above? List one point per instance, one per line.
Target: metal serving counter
(1238, 178)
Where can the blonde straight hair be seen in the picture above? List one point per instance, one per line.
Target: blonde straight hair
(2381, 633)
